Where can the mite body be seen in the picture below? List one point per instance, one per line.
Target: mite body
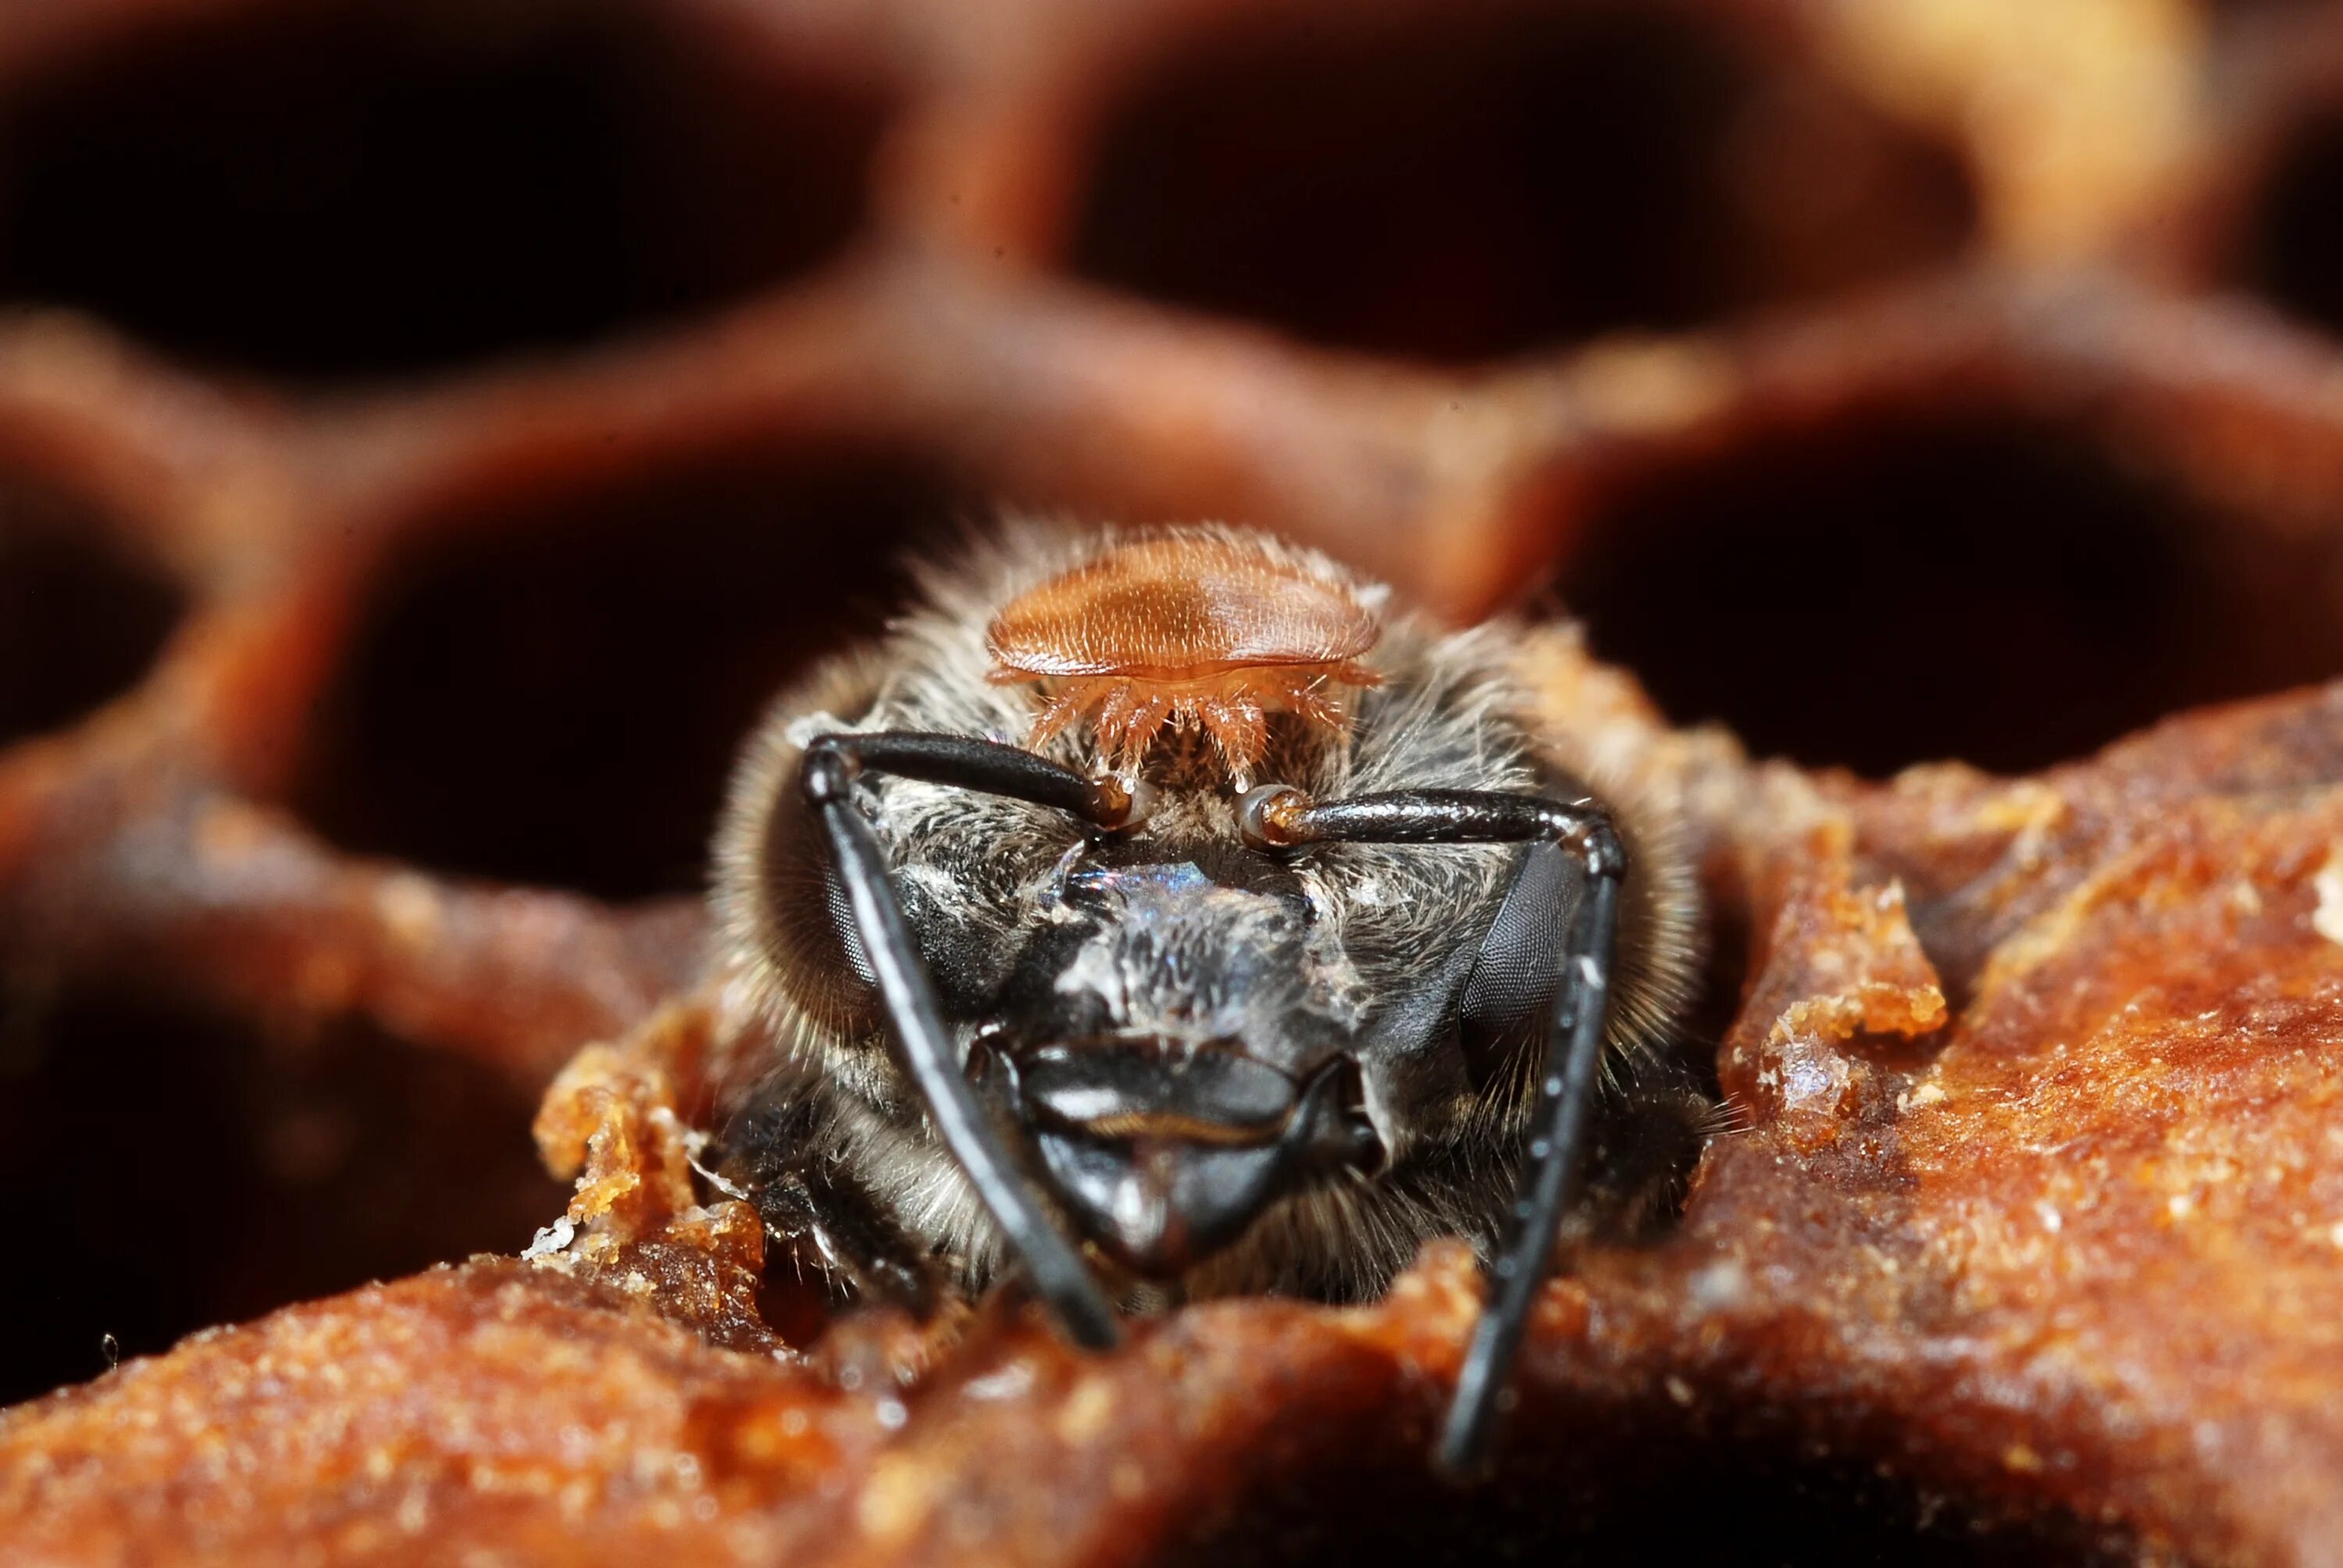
(1162, 915)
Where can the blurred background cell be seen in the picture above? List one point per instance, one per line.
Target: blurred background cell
(364, 189)
(1462, 184)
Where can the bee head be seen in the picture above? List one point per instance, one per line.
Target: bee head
(1178, 1033)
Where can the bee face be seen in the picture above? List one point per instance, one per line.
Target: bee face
(1228, 1066)
(1169, 1050)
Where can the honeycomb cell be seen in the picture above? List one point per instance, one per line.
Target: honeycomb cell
(550, 688)
(370, 189)
(1763, 1503)
(1904, 587)
(1453, 188)
(2293, 244)
(80, 617)
(169, 1168)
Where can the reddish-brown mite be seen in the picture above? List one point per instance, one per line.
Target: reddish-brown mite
(1219, 630)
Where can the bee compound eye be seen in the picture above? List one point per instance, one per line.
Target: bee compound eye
(1515, 976)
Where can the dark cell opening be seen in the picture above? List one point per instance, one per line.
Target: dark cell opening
(552, 690)
(2294, 244)
(167, 1170)
(1901, 590)
(1620, 1489)
(80, 619)
(361, 190)
(1475, 185)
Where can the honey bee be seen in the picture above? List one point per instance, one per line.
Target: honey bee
(1157, 915)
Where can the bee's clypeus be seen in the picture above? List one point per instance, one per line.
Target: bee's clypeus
(1159, 914)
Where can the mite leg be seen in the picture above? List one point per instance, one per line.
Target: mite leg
(1278, 816)
(924, 1045)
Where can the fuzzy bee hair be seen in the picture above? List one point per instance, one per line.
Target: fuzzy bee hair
(822, 1126)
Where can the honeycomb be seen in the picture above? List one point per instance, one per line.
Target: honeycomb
(429, 429)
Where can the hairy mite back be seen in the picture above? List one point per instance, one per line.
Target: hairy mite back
(1203, 628)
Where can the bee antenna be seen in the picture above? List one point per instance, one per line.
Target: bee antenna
(1566, 1079)
(923, 1044)
(1278, 816)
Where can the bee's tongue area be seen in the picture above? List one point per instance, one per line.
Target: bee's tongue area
(1148, 1088)
(1164, 1153)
